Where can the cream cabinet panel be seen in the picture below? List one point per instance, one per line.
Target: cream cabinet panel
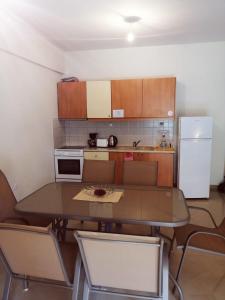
(96, 155)
(98, 99)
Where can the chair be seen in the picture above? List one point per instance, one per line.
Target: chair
(200, 238)
(98, 171)
(140, 173)
(7, 204)
(123, 265)
(36, 256)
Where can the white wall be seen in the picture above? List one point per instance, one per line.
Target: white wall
(21, 39)
(28, 104)
(27, 108)
(200, 73)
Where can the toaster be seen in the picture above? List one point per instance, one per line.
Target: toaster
(102, 143)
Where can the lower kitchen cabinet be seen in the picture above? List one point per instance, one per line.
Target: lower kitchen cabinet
(94, 155)
(118, 157)
(165, 165)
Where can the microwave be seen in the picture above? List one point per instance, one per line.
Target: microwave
(102, 143)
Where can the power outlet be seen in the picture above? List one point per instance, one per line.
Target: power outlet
(118, 113)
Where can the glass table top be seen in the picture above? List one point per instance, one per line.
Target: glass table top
(138, 205)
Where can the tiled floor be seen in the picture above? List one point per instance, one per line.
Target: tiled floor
(202, 278)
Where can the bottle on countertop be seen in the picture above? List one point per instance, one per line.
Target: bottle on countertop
(163, 142)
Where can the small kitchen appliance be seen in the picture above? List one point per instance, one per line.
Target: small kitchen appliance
(102, 143)
(194, 156)
(112, 141)
(163, 141)
(92, 142)
(69, 163)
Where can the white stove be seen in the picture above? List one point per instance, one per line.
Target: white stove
(69, 163)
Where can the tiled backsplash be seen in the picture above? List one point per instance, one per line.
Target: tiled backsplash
(148, 131)
(59, 133)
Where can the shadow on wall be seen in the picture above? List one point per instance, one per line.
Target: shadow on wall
(182, 108)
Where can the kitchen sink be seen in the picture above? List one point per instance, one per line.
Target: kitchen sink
(124, 147)
(130, 148)
(150, 148)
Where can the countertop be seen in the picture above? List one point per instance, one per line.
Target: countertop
(142, 149)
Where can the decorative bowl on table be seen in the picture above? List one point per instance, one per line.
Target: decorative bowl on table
(98, 190)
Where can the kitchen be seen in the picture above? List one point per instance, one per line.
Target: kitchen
(29, 112)
(148, 133)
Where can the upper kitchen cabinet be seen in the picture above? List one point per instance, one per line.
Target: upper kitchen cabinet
(127, 98)
(72, 102)
(159, 97)
(98, 99)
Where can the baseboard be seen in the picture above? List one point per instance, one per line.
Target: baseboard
(213, 187)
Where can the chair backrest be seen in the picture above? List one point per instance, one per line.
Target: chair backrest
(121, 262)
(99, 171)
(222, 227)
(32, 251)
(140, 172)
(7, 198)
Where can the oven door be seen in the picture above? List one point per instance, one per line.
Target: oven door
(69, 167)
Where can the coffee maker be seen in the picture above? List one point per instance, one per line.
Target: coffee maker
(92, 142)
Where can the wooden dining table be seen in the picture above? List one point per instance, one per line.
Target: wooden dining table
(154, 206)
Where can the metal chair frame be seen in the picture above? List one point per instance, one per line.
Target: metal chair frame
(10, 275)
(164, 276)
(189, 238)
(205, 210)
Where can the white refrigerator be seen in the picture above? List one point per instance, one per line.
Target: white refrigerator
(194, 156)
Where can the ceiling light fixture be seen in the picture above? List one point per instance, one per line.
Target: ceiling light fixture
(131, 20)
(130, 37)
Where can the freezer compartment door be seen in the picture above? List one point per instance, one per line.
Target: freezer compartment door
(194, 167)
(195, 127)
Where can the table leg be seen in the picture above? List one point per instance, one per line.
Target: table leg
(156, 232)
(108, 227)
(59, 227)
(104, 227)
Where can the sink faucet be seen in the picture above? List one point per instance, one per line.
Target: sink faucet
(136, 143)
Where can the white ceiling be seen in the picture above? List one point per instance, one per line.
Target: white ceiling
(98, 24)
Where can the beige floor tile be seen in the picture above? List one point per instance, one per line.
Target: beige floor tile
(202, 275)
(38, 291)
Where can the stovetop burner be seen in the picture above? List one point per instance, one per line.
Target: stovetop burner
(71, 147)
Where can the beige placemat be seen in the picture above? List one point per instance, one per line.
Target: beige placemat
(113, 197)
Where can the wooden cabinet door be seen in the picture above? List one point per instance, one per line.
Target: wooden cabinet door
(165, 166)
(72, 102)
(127, 95)
(98, 99)
(118, 157)
(95, 155)
(159, 97)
